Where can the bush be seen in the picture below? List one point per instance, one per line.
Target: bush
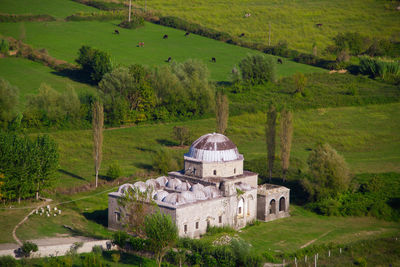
(135, 23)
(257, 69)
(387, 70)
(28, 247)
(8, 261)
(95, 63)
(137, 244)
(4, 47)
(212, 230)
(98, 16)
(120, 239)
(114, 170)
(163, 162)
(116, 257)
(98, 250)
(182, 134)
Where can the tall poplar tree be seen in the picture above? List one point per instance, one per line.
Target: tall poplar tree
(270, 132)
(221, 111)
(98, 122)
(286, 140)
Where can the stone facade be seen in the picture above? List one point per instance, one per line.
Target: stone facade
(211, 190)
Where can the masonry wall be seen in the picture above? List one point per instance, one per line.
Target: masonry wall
(266, 212)
(222, 169)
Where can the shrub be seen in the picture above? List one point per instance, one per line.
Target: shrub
(163, 162)
(120, 239)
(257, 69)
(360, 262)
(269, 257)
(379, 67)
(4, 47)
(98, 16)
(98, 250)
(8, 261)
(182, 134)
(92, 260)
(212, 230)
(137, 244)
(95, 63)
(300, 82)
(114, 170)
(116, 257)
(28, 247)
(8, 102)
(135, 23)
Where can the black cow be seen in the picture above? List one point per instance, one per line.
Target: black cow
(187, 34)
(116, 31)
(319, 25)
(213, 60)
(280, 61)
(165, 36)
(241, 35)
(169, 59)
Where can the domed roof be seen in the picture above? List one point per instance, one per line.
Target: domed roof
(213, 147)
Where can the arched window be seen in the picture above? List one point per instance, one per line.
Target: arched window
(282, 204)
(272, 207)
(215, 172)
(240, 207)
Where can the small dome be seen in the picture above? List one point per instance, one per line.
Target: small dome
(196, 187)
(125, 188)
(189, 196)
(211, 191)
(213, 147)
(160, 195)
(174, 183)
(162, 181)
(152, 183)
(141, 186)
(174, 199)
(184, 186)
(199, 195)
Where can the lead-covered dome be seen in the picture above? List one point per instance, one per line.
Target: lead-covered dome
(213, 147)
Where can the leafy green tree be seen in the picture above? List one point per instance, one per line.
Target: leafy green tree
(221, 111)
(300, 82)
(94, 62)
(114, 170)
(257, 69)
(182, 134)
(270, 132)
(162, 234)
(163, 161)
(329, 173)
(28, 247)
(46, 161)
(8, 102)
(286, 135)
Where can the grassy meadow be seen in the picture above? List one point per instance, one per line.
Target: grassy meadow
(34, 74)
(63, 40)
(56, 8)
(294, 21)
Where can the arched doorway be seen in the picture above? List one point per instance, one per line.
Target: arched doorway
(272, 207)
(282, 204)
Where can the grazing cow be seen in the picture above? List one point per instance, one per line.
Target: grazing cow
(319, 25)
(169, 59)
(116, 31)
(165, 36)
(247, 15)
(187, 34)
(241, 35)
(213, 60)
(280, 61)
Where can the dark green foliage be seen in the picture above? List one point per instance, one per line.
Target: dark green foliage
(94, 62)
(244, 254)
(103, 5)
(136, 22)
(182, 135)
(29, 166)
(8, 102)
(114, 170)
(137, 244)
(387, 70)
(8, 261)
(329, 173)
(24, 17)
(355, 42)
(97, 16)
(92, 260)
(258, 69)
(98, 250)
(4, 47)
(212, 230)
(163, 161)
(120, 239)
(28, 247)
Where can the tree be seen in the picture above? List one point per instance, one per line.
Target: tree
(163, 162)
(46, 157)
(28, 247)
(300, 82)
(95, 63)
(98, 122)
(182, 134)
(9, 96)
(329, 173)
(270, 132)
(162, 234)
(286, 140)
(221, 111)
(257, 69)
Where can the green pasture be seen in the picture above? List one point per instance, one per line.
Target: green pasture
(28, 76)
(55, 8)
(294, 21)
(368, 138)
(63, 40)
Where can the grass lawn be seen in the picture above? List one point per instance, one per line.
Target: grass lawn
(63, 40)
(289, 234)
(55, 8)
(293, 21)
(28, 75)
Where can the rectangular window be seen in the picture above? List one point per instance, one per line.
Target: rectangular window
(197, 225)
(117, 216)
(220, 219)
(185, 228)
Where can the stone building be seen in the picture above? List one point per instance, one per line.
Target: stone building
(211, 190)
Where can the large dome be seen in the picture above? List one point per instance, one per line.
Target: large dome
(213, 147)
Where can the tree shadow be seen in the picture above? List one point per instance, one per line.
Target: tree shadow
(166, 142)
(71, 174)
(143, 149)
(98, 216)
(75, 75)
(145, 166)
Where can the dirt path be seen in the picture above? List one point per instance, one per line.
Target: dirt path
(312, 241)
(47, 200)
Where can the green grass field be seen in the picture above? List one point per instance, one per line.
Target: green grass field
(28, 76)
(293, 21)
(63, 40)
(55, 8)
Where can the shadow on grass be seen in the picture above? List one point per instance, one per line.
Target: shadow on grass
(98, 216)
(75, 75)
(126, 258)
(143, 149)
(71, 174)
(144, 166)
(166, 142)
